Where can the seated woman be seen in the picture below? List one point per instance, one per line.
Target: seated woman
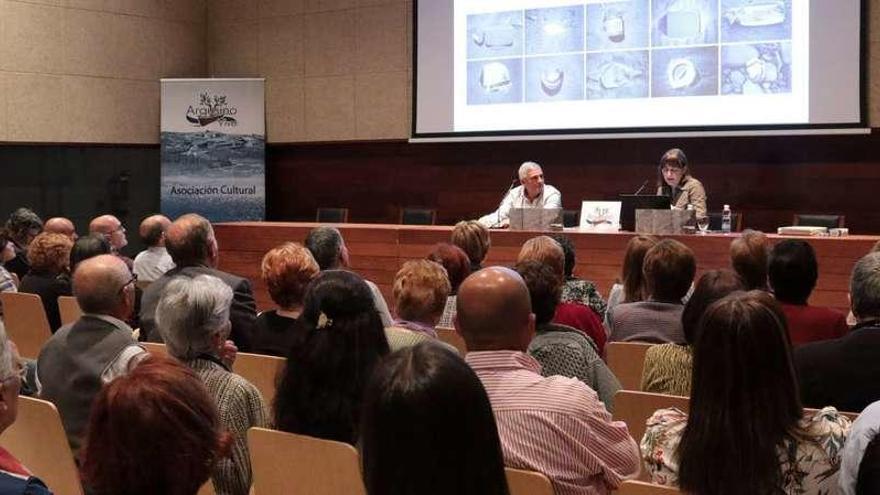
(420, 291)
(578, 290)
(322, 385)
(8, 281)
(411, 441)
(630, 287)
(748, 257)
(49, 276)
(667, 367)
(286, 270)
(669, 269)
(561, 349)
(473, 238)
(159, 399)
(458, 267)
(747, 431)
(674, 179)
(193, 318)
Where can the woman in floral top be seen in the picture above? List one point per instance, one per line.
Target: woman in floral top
(747, 432)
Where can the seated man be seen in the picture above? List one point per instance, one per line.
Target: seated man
(79, 358)
(21, 228)
(793, 272)
(193, 248)
(153, 262)
(669, 269)
(112, 230)
(61, 225)
(843, 372)
(553, 425)
(531, 193)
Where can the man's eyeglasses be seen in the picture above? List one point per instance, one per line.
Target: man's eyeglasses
(133, 280)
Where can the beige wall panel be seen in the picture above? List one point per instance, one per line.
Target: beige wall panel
(148, 8)
(90, 44)
(281, 47)
(4, 94)
(232, 10)
(232, 49)
(370, 3)
(112, 110)
(380, 105)
(32, 37)
(285, 116)
(186, 10)
(381, 38)
(183, 50)
(138, 52)
(330, 43)
(275, 8)
(55, 3)
(327, 5)
(35, 107)
(330, 108)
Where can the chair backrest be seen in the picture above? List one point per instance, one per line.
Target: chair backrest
(570, 218)
(642, 488)
(522, 482)
(736, 221)
(155, 348)
(289, 464)
(418, 216)
(815, 220)
(332, 215)
(626, 360)
(634, 408)
(26, 322)
(38, 440)
(207, 488)
(453, 338)
(260, 370)
(69, 309)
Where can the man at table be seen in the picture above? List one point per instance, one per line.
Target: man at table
(531, 193)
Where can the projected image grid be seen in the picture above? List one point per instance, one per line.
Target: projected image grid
(629, 49)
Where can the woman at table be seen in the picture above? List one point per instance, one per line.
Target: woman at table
(674, 179)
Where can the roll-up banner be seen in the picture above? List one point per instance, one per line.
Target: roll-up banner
(214, 148)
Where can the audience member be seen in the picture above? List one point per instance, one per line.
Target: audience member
(49, 276)
(420, 290)
(578, 290)
(8, 281)
(193, 318)
(286, 271)
(843, 372)
(80, 358)
(191, 243)
(412, 440)
(61, 225)
(748, 256)
(545, 250)
(153, 262)
(793, 273)
(154, 431)
(473, 238)
(458, 268)
(561, 349)
(860, 459)
(329, 249)
(21, 228)
(87, 247)
(113, 230)
(746, 431)
(667, 367)
(554, 425)
(668, 271)
(631, 285)
(321, 388)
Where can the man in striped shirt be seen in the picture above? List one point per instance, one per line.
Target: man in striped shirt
(554, 425)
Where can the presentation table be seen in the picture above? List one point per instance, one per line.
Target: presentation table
(377, 251)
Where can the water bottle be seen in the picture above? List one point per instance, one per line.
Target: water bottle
(690, 223)
(726, 216)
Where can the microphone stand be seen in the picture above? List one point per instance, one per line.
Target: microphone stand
(498, 211)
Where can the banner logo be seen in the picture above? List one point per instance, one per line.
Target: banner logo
(212, 108)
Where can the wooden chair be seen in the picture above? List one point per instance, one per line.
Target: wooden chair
(418, 216)
(207, 489)
(527, 482)
(453, 338)
(642, 488)
(332, 215)
(38, 440)
(626, 360)
(289, 464)
(26, 322)
(155, 348)
(69, 309)
(815, 220)
(260, 370)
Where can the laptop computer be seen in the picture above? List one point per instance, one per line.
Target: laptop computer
(632, 202)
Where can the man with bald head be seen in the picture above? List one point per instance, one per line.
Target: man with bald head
(112, 230)
(153, 262)
(553, 425)
(61, 225)
(191, 243)
(80, 357)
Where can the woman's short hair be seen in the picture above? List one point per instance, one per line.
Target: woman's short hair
(712, 286)
(748, 255)
(420, 290)
(454, 260)
(669, 269)
(158, 399)
(191, 313)
(321, 387)
(88, 246)
(744, 398)
(413, 441)
(21, 223)
(633, 260)
(473, 238)
(50, 253)
(287, 270)
(568, 249)
(864, 287)
(674, 157)
(545, 250)
(545, 288)
(793, 271)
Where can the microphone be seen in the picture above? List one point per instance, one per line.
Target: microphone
(639, 190)
(513, 183)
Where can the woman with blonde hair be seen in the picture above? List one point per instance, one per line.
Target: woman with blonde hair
(420, 290)
(473, 238)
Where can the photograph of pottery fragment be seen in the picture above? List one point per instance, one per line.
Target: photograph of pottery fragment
(618, 25)
(756, 69)
(494, 81)
(685, 72)
(755, 20)
(498, 34)
(684, 22)
(555, 78)
(555, 30)
(617, 75)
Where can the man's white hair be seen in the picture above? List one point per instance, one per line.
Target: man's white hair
(7, 357)
(191, 312)
(525, 167)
